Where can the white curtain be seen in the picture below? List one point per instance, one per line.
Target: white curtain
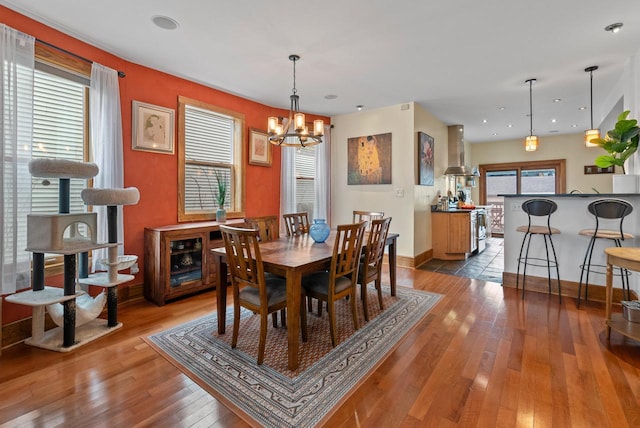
(106, 144)
(322, 182)
(287, 181)
(16, 110)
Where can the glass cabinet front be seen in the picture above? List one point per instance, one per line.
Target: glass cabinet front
(186, 261)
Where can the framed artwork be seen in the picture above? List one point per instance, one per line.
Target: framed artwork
(259, 148)
(152, 128)
(425, 159)
(369, 159)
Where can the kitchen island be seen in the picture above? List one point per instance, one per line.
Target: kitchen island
(571, 217)
(457, 233)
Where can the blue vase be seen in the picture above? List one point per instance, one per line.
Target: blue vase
(319, 230)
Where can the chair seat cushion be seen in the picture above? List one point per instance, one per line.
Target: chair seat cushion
(606, 234)
(318, 283)
(276, 292)
(538, 230)
(371, 272)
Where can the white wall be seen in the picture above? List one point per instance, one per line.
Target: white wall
(410, 212)
(570, 147)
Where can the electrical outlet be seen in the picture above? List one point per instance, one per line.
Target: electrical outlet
(134, 269)
(400, 193)
(516, 206)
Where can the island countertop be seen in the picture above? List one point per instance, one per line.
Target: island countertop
(570, 195)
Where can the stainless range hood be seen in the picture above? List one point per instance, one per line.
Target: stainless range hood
(456, 154)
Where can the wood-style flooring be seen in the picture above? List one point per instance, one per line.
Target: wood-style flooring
(482, 357)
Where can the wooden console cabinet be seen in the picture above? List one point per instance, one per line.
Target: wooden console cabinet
(178, 260)
(453, 234)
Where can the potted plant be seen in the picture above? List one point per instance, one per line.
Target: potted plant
(620, 142)
(221, 214)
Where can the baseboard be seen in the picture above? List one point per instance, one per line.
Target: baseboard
(20, 330)
(597, 293)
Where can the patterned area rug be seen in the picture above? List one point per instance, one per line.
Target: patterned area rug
(273, 396)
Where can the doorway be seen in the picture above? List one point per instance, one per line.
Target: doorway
(524, 178)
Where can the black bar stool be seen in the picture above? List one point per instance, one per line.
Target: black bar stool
(538, 208)
(605, 211)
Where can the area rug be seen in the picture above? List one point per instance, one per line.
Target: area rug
(271, 395)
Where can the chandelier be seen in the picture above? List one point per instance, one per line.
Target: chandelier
(295, 132)
(531, 142)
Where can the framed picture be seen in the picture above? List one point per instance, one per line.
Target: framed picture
(369, 159)
(259, 148)
(425, 159)
(152, 128)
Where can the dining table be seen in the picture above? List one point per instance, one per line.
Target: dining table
(292, 257)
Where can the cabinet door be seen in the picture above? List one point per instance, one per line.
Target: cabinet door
(185, 263)
(459, 233)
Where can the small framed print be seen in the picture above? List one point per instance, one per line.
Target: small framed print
(152, 128)
(259, 148)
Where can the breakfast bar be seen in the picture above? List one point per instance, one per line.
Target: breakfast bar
(571, 216)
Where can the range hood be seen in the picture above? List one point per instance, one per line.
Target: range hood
(456, 154)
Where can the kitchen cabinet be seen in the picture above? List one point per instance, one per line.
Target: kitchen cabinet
(454, 234)
(178, 260)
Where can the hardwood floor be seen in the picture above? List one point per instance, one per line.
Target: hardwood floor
(482, 357)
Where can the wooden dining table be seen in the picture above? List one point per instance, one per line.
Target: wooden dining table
(292, 257)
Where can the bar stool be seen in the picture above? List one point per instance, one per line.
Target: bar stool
(538, 208)
(605, 210)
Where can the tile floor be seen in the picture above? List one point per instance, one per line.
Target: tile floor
(488, 265)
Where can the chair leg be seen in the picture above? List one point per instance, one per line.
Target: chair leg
(354, 310)
(520, 259)
(546, 249)
(586, 281)
(585, 266)
(332, 321)
(365, 306)
(379, 287)
(524, 270)
(283, 316)
(309, 304)
(303, 319)
(555, 259)
(274, 318)
(263, 337)
(236, 323)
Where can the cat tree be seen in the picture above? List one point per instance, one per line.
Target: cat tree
(71, 307)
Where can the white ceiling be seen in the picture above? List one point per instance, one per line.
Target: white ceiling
(460, 59)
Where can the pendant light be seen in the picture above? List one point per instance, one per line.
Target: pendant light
(531, 142)
(591, 133)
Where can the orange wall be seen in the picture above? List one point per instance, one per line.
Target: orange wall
(154, 174)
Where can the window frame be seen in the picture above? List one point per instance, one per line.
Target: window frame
(238, 170)
(54, 265)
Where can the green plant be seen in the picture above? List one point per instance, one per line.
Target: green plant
(219, 193)
(222, 189)
(620, 142)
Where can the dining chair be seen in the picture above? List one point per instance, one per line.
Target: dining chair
(251, 289)
(371, 263)
(296, 223)
(340, 280)
(367, 216)
(267, 226)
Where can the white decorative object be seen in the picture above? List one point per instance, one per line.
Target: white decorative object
(626, 183)
(122, 262)
(87, 309)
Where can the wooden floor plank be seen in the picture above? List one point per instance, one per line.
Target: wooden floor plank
(483, 357)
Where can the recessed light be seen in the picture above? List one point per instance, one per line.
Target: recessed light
(509, 125)
(614, 28)
(582, 108)
(330, 97)
(359, 107)
(484, 120)
(500, 108)
(574, 126)
(555, 131)
(553, 121)
(165, 22)
(495, 133)
(557, 100)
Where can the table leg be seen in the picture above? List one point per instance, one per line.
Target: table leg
(294, 281)
(392, 266)
(221, 292)
(609, 297)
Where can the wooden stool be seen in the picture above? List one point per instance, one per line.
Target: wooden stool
(626, 258)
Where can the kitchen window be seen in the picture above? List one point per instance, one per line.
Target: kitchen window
(210, 150)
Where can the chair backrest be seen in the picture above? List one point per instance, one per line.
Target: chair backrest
(267, 226)
(243, 258)
(347, 249)
(367, 216)
(376, 242)
(296, 223)
(539, 208)
(610, 209)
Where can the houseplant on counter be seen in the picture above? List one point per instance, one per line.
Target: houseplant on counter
(620, 142)
(221, 213)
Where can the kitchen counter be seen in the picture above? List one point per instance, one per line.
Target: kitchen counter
(572, 216)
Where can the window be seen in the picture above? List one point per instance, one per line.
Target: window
(305, 161)
(210, 153)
